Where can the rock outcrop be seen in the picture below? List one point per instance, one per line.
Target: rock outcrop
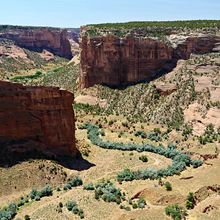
(41, 118)
(118, 61)
(39, 39)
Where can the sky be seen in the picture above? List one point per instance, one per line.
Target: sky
(74, 13)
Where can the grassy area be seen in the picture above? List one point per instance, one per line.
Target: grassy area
(150, 28)
(64, 76)
(174, 24)
(26, 78)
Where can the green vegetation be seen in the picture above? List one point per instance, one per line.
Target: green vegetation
(93, 109)
(74, 182)
(168, 186)
(152, 28)
(89, 186)
(180, 160)
(140, 104)
(9, 212)
(153, 135)
(187, 131)
(143, 158)
(64, 77)
(190, 202)
(175, 212)
(27, 217)
(37, 195)
(108, 192)
(141, 203)
(209, 136)
(73, 207)
(174, 24)
(26, 78)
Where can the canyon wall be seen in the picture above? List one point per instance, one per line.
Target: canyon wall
(118, 61)
(38, 39)
(41, 118)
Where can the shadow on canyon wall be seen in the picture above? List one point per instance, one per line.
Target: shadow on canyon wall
(153, 76)
(14, 153)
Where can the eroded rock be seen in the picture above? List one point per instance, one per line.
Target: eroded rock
(37, 117)
(39, 39)
(116, 61)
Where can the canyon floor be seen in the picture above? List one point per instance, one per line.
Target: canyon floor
(120, 114)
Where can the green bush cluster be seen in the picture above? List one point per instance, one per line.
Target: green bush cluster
(37, 195)
(209, 136)
(153, 135)
(174, 24)
(107, 191)
(141, 203)
(28, 77)
(75, 181)
(126, 208)
(190, 202)
(175, 212)
(180, 160)
(143, 158)
(9, 212)
(149, 28)
(186, 131)
(89, 186)
(94, 109)
(168, 186)
(73, 207)
(27, 217)
(22, 201)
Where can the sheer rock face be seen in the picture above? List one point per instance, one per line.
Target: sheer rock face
(38, 39)
(113, 61)
(40, 116)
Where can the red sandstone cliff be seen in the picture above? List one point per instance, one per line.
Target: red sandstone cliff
(119, 61)
(39, 116)
(38, 39)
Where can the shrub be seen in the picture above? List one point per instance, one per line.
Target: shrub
(37, 195)
(190, 202)
(108, 192)
(89, 186)
(73, 207)
(21, 202)
(70, 205)
(74, 182)
(9, 212)
(168, 186)
(141, 203)
(67, 186)
(46, 191)
(134, 206)
(180, 160)
(143, 158)
(110, 122)
(27, 217)
(58, 189)
(175, 212)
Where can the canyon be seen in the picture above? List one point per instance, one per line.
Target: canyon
(41, 118)
(73, 127)
(54, 40)
(117, 61)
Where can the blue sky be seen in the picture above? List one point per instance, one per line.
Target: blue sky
(73, 13)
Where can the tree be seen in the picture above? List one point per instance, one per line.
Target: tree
(168, 186)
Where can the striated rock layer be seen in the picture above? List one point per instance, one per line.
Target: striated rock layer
(38, 117)
(118, 61)
(38, 39)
